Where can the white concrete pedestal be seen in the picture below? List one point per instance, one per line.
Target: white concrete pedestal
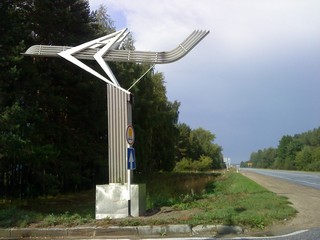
(112, 200)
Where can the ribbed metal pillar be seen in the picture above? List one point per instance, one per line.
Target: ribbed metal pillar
(118, 107)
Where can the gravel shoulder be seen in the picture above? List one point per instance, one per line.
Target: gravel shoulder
(305, 200)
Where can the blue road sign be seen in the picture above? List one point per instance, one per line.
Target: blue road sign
(131, 159)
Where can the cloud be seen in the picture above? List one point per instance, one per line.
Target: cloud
(254, 78)
(237, 25)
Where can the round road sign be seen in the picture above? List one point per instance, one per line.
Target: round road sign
(130, 135)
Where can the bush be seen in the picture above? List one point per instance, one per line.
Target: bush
(204, 163)
(184, 165)
(188, 165)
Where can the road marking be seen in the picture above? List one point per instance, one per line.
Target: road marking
(281, 236)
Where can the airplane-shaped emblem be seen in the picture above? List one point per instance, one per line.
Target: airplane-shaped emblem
(105, 49)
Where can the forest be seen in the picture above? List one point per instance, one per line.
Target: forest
(53, 116)
(298, 152)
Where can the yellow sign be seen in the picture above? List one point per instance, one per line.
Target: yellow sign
(130, 135)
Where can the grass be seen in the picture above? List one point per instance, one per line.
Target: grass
(227, 199)
(66, 210)
(187, 187)
(237, 200)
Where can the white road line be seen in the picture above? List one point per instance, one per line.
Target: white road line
(281, 236)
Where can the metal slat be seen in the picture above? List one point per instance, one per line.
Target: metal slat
(117, 124)
(110, 105)
(125, 55)
(158, 57)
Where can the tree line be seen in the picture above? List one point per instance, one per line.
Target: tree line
(53, 116)
(298, 152)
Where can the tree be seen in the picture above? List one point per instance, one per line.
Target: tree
(299, 152)
(204, 163)
(282, 151)
(155, 120)
(52, 114)
(72, 101)
(18, 151)
(263, 158)
(269, 157)
(201, 142)
(293, 148)
(308, 159)
(315, 164)
(183, 144)
(198, 144)
(59, 22)
(304, 158)
(102, 22)
(53, 121)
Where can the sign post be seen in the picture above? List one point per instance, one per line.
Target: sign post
(130, 162)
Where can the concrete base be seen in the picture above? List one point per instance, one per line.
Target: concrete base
(112, 200)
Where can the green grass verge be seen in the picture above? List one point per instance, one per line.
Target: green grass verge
(229, 199)
(237, 200)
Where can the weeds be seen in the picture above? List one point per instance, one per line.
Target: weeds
(65, 219)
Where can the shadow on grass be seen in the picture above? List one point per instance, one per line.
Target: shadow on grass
(69, 207)
(167, 189)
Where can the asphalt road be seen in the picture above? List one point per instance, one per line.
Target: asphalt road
(309, 179)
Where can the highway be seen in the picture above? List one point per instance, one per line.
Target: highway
(309, 179)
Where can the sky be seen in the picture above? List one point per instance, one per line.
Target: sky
(252, 80)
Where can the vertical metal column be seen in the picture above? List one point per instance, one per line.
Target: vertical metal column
(117, 124)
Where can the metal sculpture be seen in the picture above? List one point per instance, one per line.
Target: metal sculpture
(106, 49)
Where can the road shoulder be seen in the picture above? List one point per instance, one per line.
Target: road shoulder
(305, 200)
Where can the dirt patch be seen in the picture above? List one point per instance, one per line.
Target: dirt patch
(305, 200)
(166, 213)
(161, 216)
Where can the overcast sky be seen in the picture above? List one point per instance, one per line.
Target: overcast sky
(253, 79)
